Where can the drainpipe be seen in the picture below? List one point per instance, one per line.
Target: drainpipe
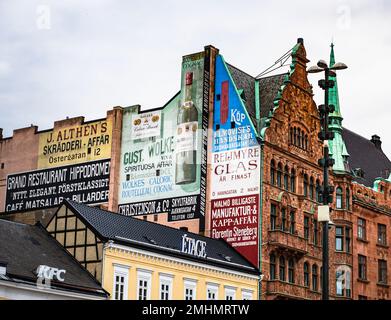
(260, 217)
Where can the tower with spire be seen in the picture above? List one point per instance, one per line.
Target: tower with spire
(337, 147)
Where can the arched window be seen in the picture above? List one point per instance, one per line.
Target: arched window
(291, 135)
(302, 139)
(272, 267)
(286, 178)
(306, 142)
(293, 180)
(283, 219)
(279, 175)
(305, 185)
(338, 200)
(347, 199)
(295, 136)
(318, 193)
(272, 172)
(312, 188)
(314, 277)
(282, 268)
(291, 271)
(306, 274)
(292, 226)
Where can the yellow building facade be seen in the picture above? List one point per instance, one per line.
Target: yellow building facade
(185, 279)
(135, 259)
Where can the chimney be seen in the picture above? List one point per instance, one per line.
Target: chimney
(376, 141)
(300, 40)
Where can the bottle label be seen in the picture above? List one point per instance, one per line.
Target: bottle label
(186, 136)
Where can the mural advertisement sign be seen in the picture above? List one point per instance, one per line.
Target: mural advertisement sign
(235, 169)
(160, 168)
(75, 144)
(86, 183)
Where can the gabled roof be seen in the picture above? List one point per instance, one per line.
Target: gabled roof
(365, 155)
(23, 248)
(268, 90)
(135, 232)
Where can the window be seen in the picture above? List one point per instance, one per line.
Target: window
(316, 232)
(347, 199)
(293, 180)
(347, 239)
(190, 286)
(306, 227)
(279, 175)
(362, 267)
(339, 198)
(305, 186)
(273, 217)
(306, 274)
(292, 224)
(165, 286)
(144, 284)
(247, 294)
(318, 191)
(272, 172)
(230, 293)
(291, 271)
(272, 267)
(286, 178)
(312, 187)
(283, 220)
(382, 271)
(282, 268)
(315, 277)
(343, 276)
(361, 229)
(212, 292)
(339, 238)
(381, 234)
(121, 277)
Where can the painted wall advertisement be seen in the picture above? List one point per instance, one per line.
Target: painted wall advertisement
(75, 144)
(86, 182)
(161, 152)
(235, 169)
(73, 163)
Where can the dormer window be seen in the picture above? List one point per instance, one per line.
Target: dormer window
(358, 172)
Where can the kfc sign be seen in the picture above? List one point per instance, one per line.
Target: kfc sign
(49, 273)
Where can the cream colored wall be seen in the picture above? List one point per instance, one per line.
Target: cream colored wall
(179, 270)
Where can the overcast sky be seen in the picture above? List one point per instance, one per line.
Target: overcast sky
(63, 58)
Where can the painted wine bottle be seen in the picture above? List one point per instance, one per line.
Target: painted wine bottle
(186, 142)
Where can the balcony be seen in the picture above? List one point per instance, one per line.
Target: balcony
(285, 241)
(283, 290)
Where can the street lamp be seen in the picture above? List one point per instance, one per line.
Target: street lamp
(325, 135)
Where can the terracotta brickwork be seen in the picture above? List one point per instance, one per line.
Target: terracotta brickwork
(291, 235)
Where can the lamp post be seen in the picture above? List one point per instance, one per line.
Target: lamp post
(326, 191)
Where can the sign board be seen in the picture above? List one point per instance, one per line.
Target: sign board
(85, 182)
(156, 175)
(194, 247)
(75, 144)
(45, 272)
(235, 169)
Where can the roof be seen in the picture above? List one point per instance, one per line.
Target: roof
(365, 155)
(268, 90)
(25, 247)
(135, 232)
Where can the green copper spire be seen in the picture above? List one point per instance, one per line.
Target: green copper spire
(337, 146)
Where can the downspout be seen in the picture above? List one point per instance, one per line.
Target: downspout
(260, 218)
(259, 139)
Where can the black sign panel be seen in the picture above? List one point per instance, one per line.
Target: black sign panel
(180, 208)
(85, 182)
